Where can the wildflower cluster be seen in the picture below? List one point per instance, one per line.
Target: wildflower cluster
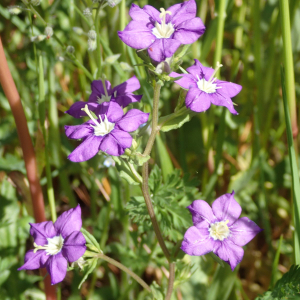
(160, 39)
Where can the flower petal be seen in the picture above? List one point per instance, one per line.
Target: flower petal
(111, 146)
(112, 110)
(163, 48)
(230, 88)
(230, 253)
(153, 13)
(78, 131)
(74, 246)
(42, 231)
(138, 14)
(132, 120)
(128, 86)
(87, 149)
(98, 90)
(182, 12)
(220, 99)
(68, 222)
(200, 211)
(197, 242)
(33, 260)
(187, 81)
(226, 208)
(76, 109)
(137, 34)
(127, 99)
(243, 231)
(197, 100)
(123, 138)
(57, 268)
(200, 70)
(189, 31)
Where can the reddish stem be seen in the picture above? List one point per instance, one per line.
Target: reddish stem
(13, 97)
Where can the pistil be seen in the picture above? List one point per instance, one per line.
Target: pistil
(219, 230)
(163, 30)
(53, 247)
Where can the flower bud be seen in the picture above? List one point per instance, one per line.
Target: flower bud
(125, 66)
(70, 49)
(113, 3)
(87, 12)
(134, 144)
(14, 10)
(48, 31)
(38, 38)
(92, 35)
(92, 44)
(78, 30)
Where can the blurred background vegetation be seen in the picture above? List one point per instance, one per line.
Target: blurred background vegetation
(247, 153)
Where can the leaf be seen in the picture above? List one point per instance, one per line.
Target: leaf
(128, 177)
(92, 264)
(175, 120)
(90, 239)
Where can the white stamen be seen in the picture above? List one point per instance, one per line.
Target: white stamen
(102, 128)
(219, 230)
(209, 86)
(53, 247)
(163, 30)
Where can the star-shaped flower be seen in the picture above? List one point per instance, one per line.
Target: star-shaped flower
(121, 94)
(108, 133)
(162, 33)
(56, 244)
(218, 229)
(205, 89)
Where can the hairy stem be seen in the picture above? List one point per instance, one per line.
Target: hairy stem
(37, 198)
(171, 280)
(125, 269)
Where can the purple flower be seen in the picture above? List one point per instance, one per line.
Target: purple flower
(205, 89)
(108, 133)
(122, 94)
(162, 33)
(56, 244)
(219, 229)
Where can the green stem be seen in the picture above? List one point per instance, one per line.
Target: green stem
(145, 187)
(289, 67)
(135, 173)
(171, 280)
(78, 64)
(42, 111)
(125, 269)
(220, 33)
(98, 52)
(78, 10)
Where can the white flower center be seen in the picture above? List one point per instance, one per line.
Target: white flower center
(209, 86)
(102, 128)
(53, 247)
(219, 230)
(163, 30)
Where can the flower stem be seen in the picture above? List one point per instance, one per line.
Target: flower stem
(98, 52)
(125, 269)
(37, 199)
(145, 187)
(171, 280)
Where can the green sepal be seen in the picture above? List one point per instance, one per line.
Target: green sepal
(216, 258)
(92, 264)
(175, 120)
(90, 240)
(130, 179)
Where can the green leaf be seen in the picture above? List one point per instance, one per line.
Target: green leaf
(90, 239)
(91, 265)
(129, 178)
(175, 120)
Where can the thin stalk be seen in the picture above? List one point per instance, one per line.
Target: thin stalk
(78, 10)
(123, 15)
(136, 175)
(125, 269)
(42, 111)
(98, 52)
(37, 198)
(171, 280)
(289, 67)
(145, 187)
(78, 64)
(220, 33)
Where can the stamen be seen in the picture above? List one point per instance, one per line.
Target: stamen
(86, 110)
(163, 30)
(53, 247)
(214, 73)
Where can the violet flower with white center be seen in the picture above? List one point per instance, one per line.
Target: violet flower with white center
(205, 89)
(108, 133)
(56, 244)
(162, 33)
(218, 229)
(121, 94)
